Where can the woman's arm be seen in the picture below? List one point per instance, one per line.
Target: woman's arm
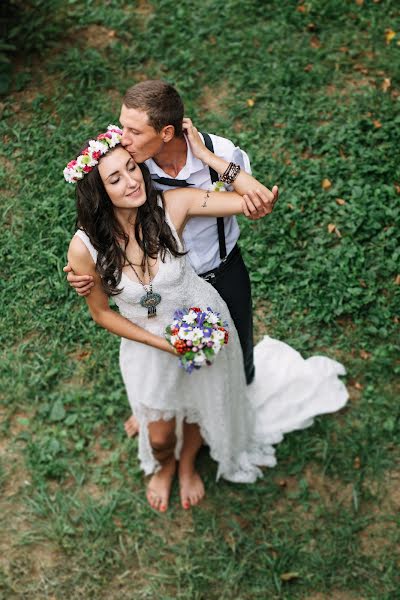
(81, 262)
(185, 203)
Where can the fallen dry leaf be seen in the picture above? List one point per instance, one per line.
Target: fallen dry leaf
(359, 2)
(290, 576)
(362, 283)
(282, 483)
(377, 123)
(290, 206)
(389, 35)
(358, 385)
(340, 201)
(311, 26)
(314, 42)
(308, 68)
(357, 462)
(397, 280)
(365, 355)
(301, 8)
(333, 229)
(326, 184)
(397, 188)
(343, 49)
(250, 102)
(387, 82)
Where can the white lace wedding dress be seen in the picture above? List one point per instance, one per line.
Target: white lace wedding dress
(240, 424)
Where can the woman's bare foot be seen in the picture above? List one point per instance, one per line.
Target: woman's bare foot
(131, 426)
(191, 487)
(159, 487)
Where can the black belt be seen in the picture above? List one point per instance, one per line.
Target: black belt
(212, 275)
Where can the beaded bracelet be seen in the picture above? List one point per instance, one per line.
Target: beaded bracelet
(230, 174)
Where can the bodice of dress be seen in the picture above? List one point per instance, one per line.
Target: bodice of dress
(175, 281)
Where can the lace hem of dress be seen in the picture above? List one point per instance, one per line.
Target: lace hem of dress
(242, 468)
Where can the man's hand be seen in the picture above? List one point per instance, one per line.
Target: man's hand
(196, 143)
(260, 202)
(81, 283)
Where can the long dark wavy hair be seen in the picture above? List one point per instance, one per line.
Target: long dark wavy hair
(95, 216)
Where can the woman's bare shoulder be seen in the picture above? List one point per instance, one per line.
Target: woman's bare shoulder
(79, 255)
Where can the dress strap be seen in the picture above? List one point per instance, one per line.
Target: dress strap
(85, 239)
(171, 226)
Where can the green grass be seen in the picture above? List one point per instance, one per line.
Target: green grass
(74, 520)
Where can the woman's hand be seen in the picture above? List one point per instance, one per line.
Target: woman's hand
(196, 143)
(260, 202)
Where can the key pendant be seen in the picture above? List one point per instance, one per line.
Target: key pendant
(150, 301)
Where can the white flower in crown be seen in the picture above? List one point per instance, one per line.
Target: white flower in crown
(96, 146)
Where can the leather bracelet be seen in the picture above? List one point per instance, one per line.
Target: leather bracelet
(230, 174)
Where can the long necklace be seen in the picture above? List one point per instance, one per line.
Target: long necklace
(150, 299)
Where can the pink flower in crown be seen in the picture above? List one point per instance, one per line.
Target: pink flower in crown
(85, 151)
(72, 164)
(87, 169)
(96, 154)
(101, 136)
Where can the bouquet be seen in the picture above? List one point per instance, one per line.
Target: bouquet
(197, 336)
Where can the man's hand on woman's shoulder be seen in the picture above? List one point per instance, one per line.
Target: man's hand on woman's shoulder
(80, 283)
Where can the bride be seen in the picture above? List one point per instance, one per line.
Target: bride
(129, 240)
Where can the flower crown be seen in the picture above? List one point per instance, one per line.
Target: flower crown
(84, 163)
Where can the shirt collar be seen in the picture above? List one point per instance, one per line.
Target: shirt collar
(191, 166)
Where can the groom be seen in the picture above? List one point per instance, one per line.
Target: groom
(153, 123)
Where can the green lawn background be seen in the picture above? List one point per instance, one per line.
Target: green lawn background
(311, 91)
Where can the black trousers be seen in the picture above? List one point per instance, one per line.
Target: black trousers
(232, 282)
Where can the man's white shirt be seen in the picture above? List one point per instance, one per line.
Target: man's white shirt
(201, 234)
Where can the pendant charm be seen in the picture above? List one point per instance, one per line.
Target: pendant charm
(150, 301)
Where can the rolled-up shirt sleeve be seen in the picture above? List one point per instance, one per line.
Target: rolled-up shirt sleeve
(239, 157)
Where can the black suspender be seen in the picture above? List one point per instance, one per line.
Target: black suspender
(220, 221)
